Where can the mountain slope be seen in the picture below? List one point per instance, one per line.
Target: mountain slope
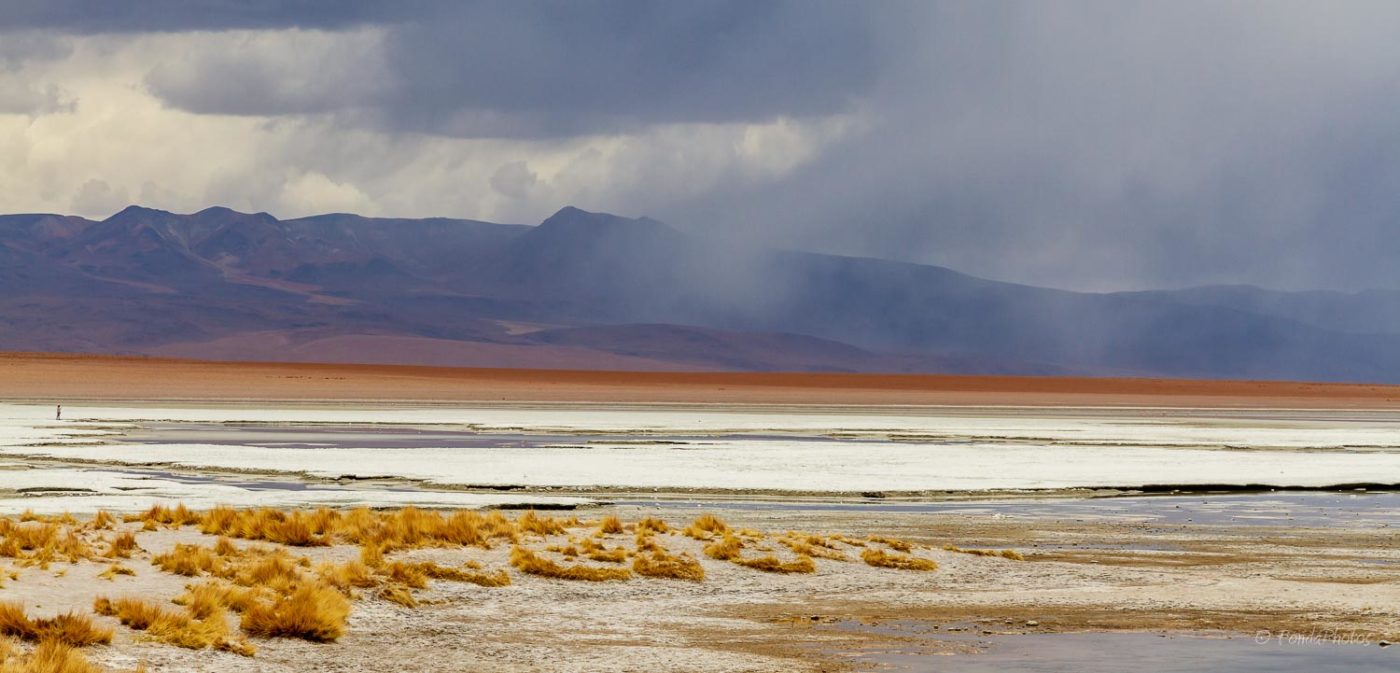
(595, 290)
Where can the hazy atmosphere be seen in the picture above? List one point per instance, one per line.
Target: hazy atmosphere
(699, 336)
(1087, 145)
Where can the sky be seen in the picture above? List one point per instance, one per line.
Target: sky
(1076, 144)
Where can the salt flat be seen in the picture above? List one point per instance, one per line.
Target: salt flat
(792, 449)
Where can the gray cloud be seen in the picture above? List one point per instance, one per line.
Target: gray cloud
(1109, 145)
(554, 69)
(1081, 144)
(140, 16)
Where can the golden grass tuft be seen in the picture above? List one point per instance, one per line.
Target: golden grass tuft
(121, 545)
(531, 522)
(881, 559)
(49, 656)
(705, 527)
(727, 548)
(473, 575)
(771, 564)
(190, 560)
(203, 625)
(1010, 554)
(110, 574)
(659, 563)
(69, 628)
(160, 515)
(528, 562)
(610, 525)
(652, 524)
(893, 543)
(398, 593)
(103, 520)
(345, 576)
(804, 544)
(310, 612)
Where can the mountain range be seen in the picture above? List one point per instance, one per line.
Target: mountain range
(598, 291)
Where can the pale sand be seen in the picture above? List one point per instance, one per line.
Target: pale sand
(1213, 578)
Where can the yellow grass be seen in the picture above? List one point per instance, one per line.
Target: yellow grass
(49, 656)
(398, 593)
(121, 545)
(805, 544)
(659, 563)
(610, 525)
(110, 574)
(893, 543)
(770, 563)
(69, 628)
(705, 527)
(726, 548)
(526, 561)
(203, 625)
(103, 520)
(531, 522)
(1011, 554)
(311, 612)
(473, 576)
(881, 559)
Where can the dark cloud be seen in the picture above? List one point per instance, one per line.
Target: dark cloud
(551, 69)
(145, 16)
(1111, 145)
(1094, 144)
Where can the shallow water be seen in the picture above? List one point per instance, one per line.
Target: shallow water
(1302, 509)
(1138, 652)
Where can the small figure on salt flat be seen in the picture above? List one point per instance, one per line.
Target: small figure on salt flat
(58, 415)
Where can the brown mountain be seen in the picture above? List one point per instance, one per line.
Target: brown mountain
(590, 290)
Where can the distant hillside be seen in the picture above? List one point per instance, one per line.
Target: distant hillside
(590, 290)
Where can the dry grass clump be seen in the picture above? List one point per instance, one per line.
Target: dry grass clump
(346, 576)
(49, 656)
(69, 628)
(310, 612)
(478, 577)
(659, 563)
(881, 559)
(653, 525)
(705, 527)
(610, 525)
(528, 562)
(40, 542)
(597, 552)
(893, 543)
(1011, 554)
(103, 520)
(110, 574)
(294, 528)
(771, 564)
(121, 546)
(544, 526)
(727, 548)
(160, 515)
(398, 593)
(207, 597)
(805, 544)
(203, 625)
(190, 560)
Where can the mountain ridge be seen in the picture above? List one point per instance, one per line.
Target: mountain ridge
(628, 291)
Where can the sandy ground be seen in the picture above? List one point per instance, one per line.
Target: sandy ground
(1079, 574)
(56, 378)
(1087, 575)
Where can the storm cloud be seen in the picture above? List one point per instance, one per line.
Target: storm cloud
(1095, 145)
